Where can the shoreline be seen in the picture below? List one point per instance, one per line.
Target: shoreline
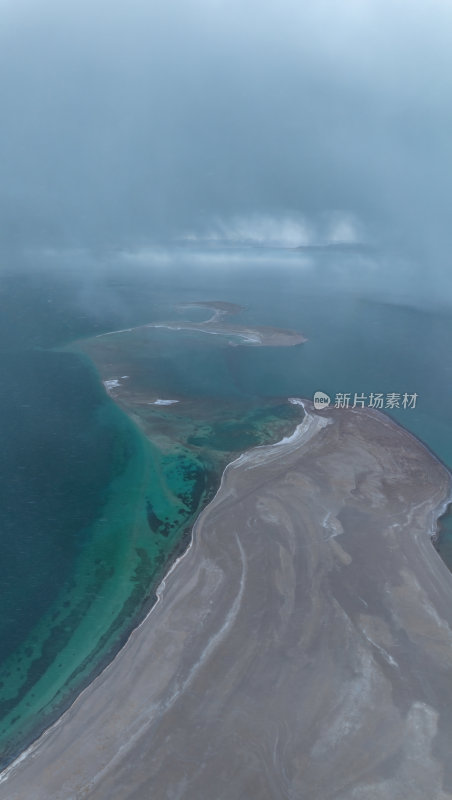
(157, 591)
(274, 459)
(259, 336)
(448, 502)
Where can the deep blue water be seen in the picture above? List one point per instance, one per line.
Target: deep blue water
(55, 461)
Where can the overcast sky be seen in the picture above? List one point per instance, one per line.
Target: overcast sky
(126, 123)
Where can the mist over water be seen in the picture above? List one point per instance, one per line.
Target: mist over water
(292, 158)
(292, 123)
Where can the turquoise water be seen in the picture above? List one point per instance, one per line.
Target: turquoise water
(93, 509)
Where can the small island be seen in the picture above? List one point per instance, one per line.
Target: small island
(261, 336)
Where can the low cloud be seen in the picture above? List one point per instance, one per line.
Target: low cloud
(263, 230)
(263, 124)
(257, 229)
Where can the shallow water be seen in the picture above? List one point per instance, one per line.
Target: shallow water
(95, 509)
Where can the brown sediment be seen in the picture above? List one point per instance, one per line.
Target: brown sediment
(216, 306)
(261, 336)
(302, 648)
(254, 337)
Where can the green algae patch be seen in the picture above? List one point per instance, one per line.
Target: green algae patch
(112, 583)
(165, 464)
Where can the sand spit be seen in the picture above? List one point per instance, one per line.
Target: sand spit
(302, 648)
(261, 336)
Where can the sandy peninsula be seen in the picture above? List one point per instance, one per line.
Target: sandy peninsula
(302, 647)
(261, 336)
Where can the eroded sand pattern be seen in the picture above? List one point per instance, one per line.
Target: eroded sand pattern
(301, 649)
